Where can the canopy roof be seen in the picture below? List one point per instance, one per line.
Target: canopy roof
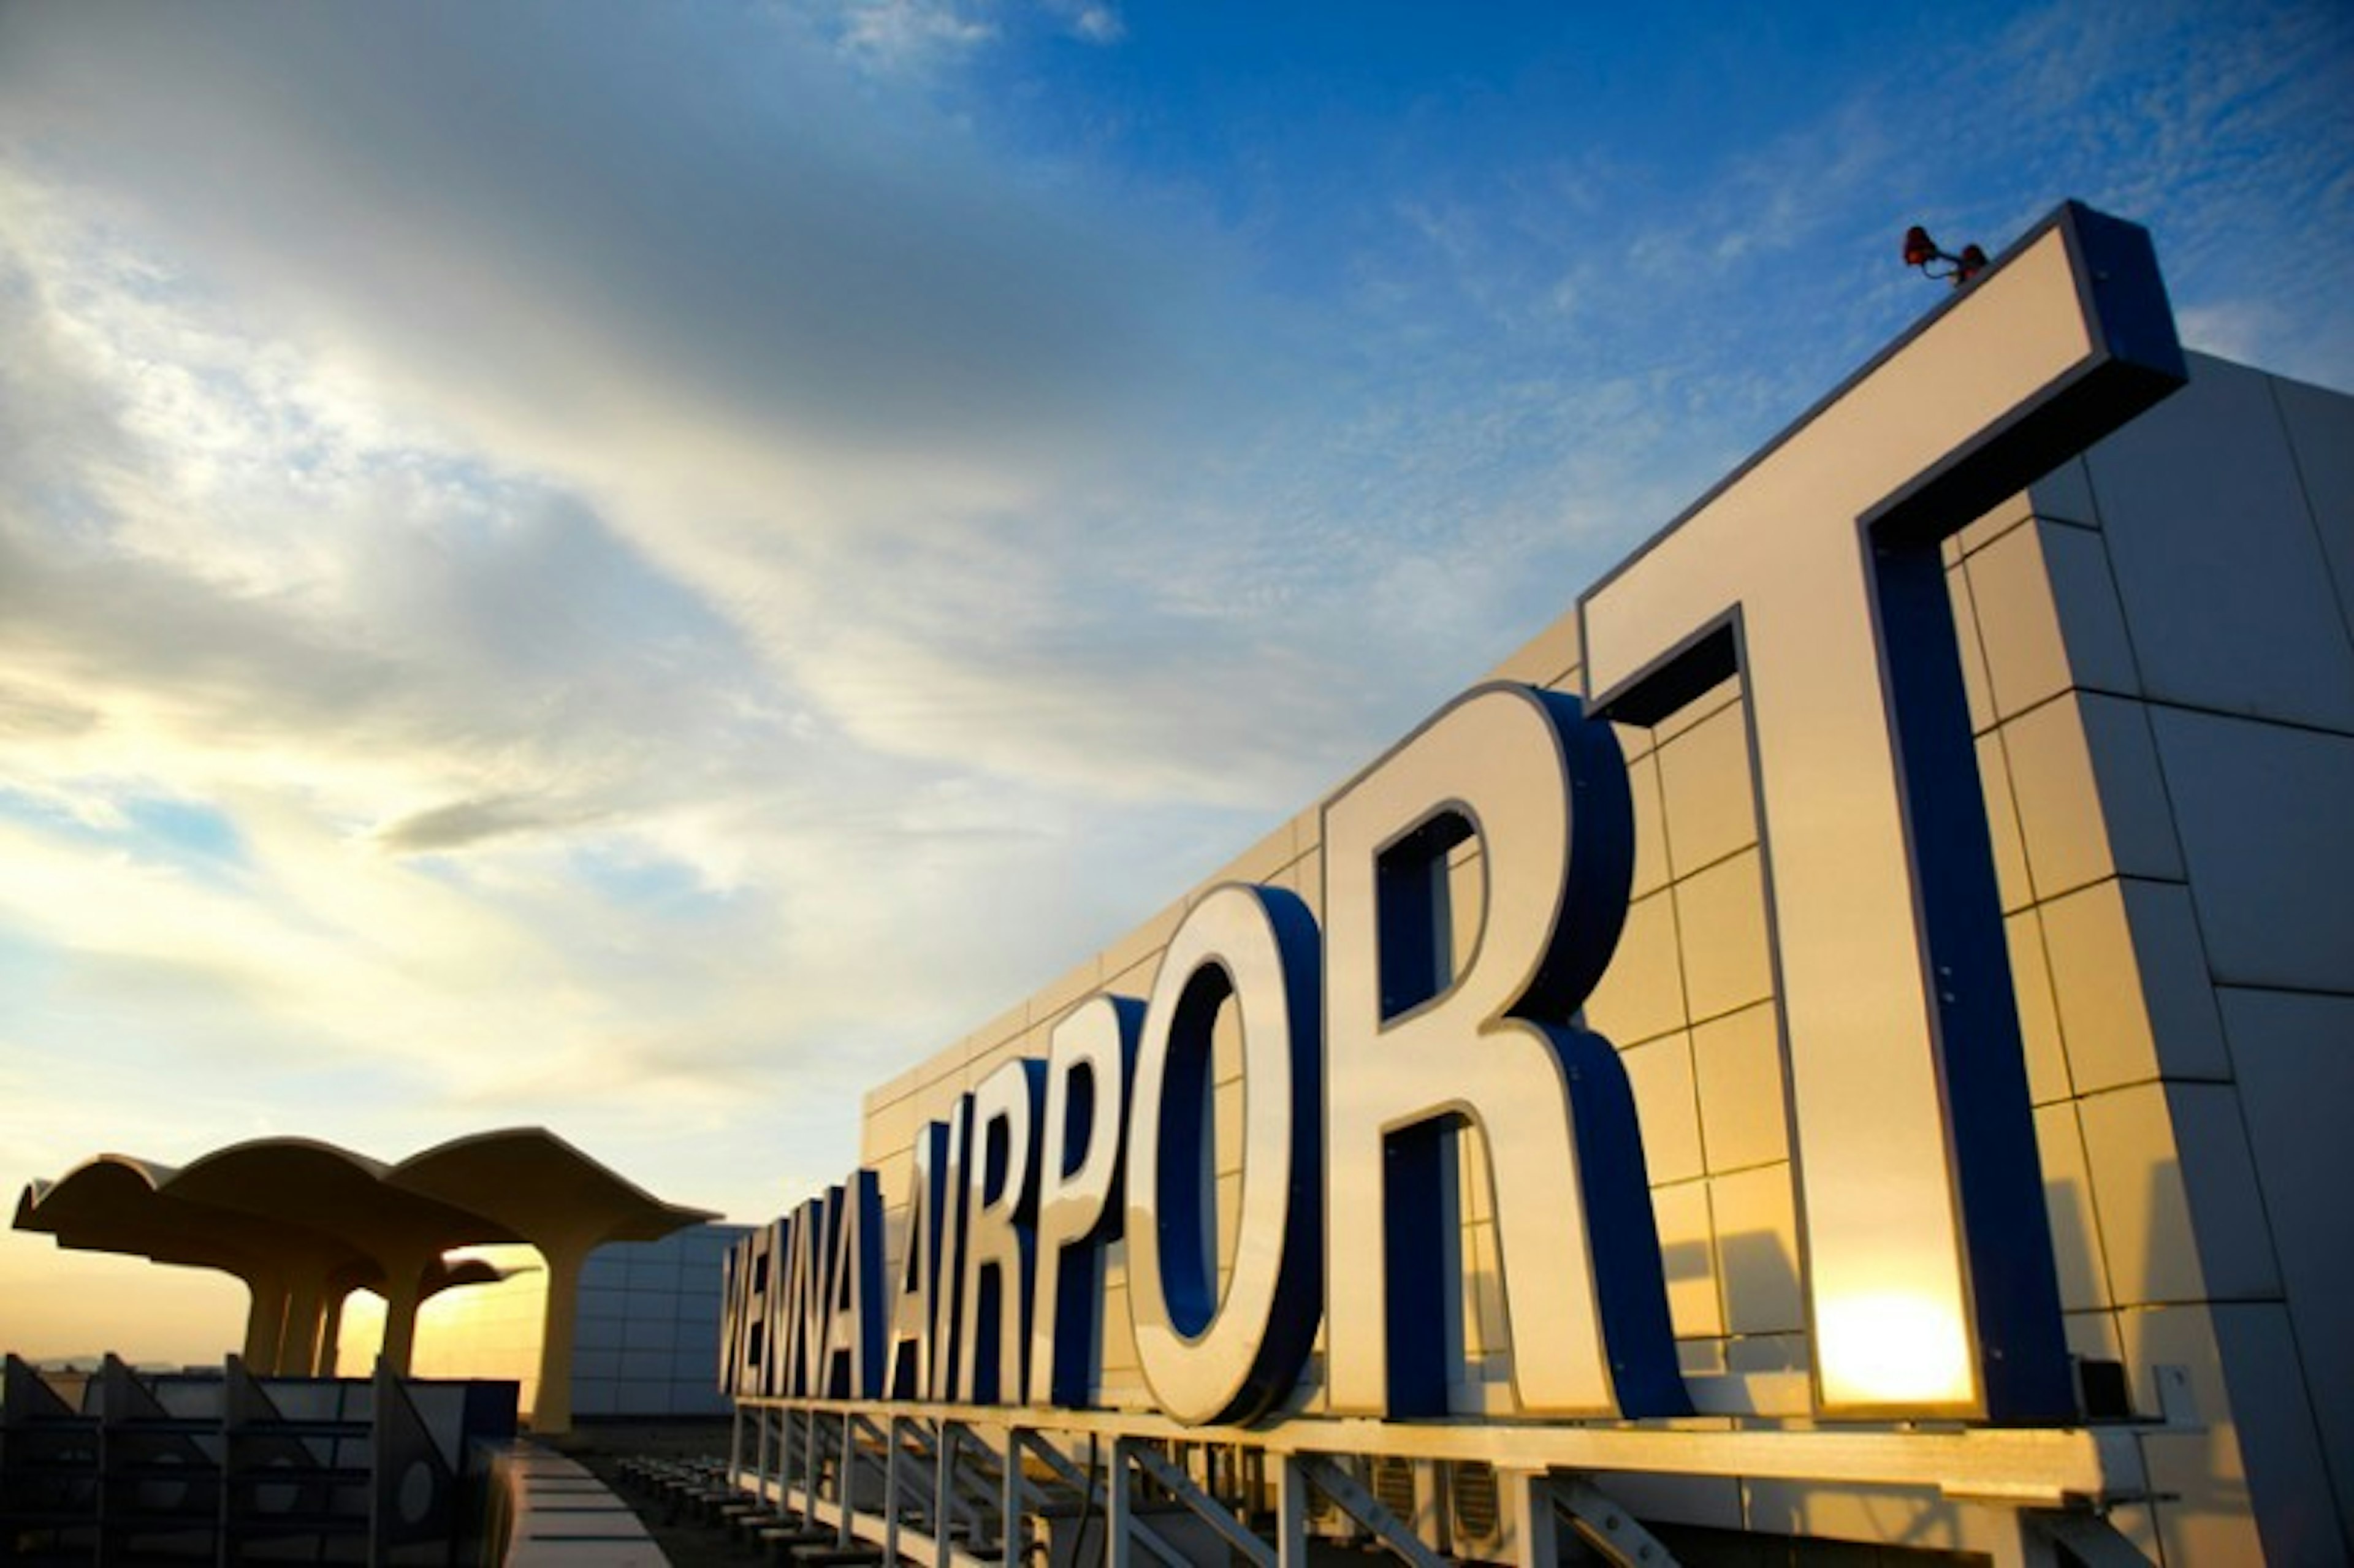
(118, 1203)
(538, 1185)
(280, 1206)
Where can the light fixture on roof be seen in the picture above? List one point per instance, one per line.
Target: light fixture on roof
(1922, 252)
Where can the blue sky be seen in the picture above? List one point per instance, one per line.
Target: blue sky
(638, 569)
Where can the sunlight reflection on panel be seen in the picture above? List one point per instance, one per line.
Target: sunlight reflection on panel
(1896, 1347)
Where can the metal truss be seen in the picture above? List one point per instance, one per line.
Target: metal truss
(952, 1487)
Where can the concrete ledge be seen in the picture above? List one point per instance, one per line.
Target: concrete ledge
(556, 1515)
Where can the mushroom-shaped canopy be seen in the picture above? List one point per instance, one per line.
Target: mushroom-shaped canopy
(261, 1206)
(301, 1182)
(118, 1203)
(541, 1186)
(305, 1222)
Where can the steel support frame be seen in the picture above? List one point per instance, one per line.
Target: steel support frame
(957, 1490)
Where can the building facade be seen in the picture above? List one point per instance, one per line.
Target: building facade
(646, 1340)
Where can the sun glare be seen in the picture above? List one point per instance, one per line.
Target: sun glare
(1894, 1348)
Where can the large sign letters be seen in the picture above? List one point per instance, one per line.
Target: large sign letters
(1814, 573)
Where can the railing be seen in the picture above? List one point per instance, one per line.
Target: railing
(226, 1466)
(956, 1487)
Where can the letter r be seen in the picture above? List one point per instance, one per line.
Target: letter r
(1544, 793)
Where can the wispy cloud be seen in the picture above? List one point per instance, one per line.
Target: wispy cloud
(472, 822)
(903, 38)
(1089, 21)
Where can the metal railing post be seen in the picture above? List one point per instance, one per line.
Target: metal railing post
(1117, 1507)
(891, 1493)
(1292, 1512)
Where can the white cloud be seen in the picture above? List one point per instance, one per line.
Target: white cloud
(2234, 329)
(1090, 22)
(909, 35)
(766, 368)
(541, 800)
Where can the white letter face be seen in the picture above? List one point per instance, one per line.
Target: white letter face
(755, 1284)
(1543, 791)
(735, 1277)
(908, 1372)
(854, 1355)
(949, 1349)
(807, 1312)
(1815, 572)
(1090, 1059)
(776, 1319)
(1210, 1356)
(1002, 1176)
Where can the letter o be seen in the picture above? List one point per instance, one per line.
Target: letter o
(1210, 1357)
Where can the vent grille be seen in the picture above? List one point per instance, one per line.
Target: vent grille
(1394, 1486)
(1478, 1509)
